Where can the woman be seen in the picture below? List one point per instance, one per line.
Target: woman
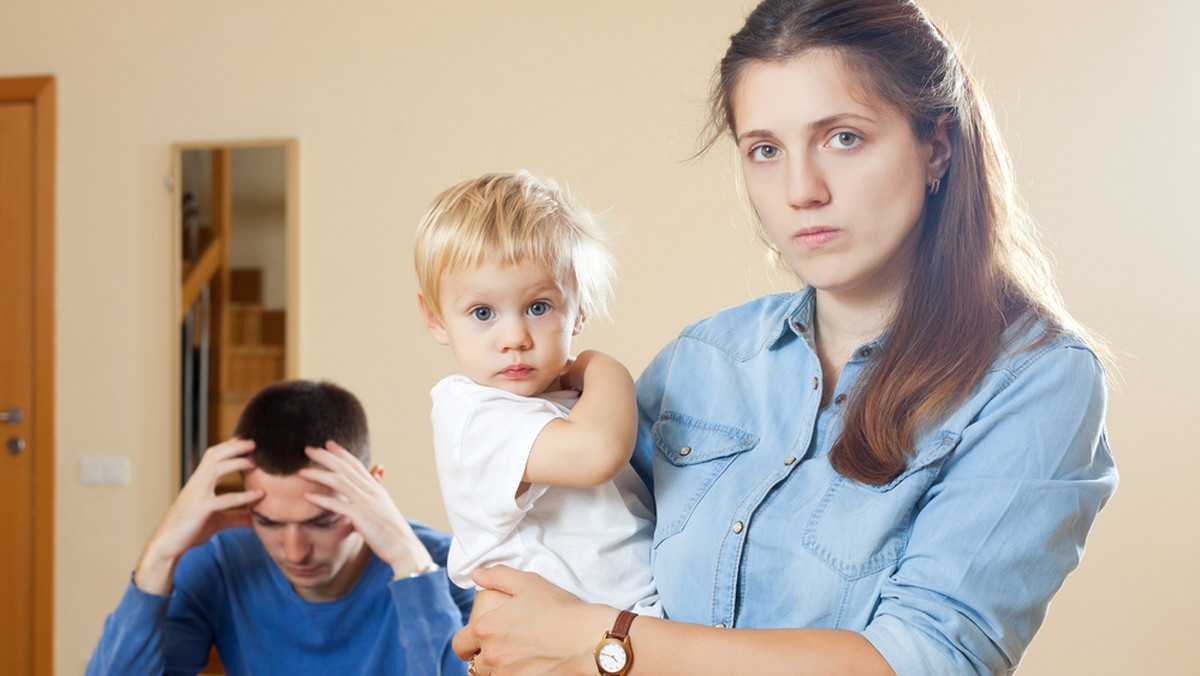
(891, 470)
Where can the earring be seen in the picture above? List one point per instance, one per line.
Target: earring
(935, 187)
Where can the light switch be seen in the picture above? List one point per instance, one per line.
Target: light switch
(96, 471)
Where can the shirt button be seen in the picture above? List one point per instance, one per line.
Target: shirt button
(801, 327)
(719, 625)
(865, 352)
(737, 527)
(841, 399)
(815, 382)
(789, 461)
(685, 450)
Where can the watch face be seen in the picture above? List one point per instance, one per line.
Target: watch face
(611, 657)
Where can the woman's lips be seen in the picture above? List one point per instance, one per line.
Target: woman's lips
(815, 237)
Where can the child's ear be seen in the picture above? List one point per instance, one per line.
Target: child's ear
(580, 320)
(432, 322)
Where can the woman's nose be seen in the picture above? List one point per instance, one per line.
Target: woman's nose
(806, 186)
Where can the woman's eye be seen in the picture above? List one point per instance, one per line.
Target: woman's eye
(845, 139)
(538, 308)
(764, 153)
(483, 313)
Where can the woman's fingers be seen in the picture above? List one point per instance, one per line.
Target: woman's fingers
(511, 581)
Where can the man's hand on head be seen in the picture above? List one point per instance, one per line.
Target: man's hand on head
(361, 497)
(197, 513)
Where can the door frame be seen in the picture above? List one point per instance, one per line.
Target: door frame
(41, 92)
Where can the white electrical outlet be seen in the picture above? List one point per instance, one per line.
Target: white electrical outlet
(95, 471)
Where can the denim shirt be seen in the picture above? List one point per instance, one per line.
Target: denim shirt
(948, 569)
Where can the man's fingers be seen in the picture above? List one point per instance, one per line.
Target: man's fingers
(333, 504)
(229, 448)
(226, 501)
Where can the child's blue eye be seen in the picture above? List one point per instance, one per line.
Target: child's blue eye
(483, 313)
(538, 308)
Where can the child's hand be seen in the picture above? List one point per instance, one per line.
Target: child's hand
(573, 376)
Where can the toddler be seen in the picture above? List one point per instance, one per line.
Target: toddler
(532, 446)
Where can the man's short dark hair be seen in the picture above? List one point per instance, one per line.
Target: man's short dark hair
(284, 418)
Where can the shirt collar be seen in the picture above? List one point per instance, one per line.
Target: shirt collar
(799, 318)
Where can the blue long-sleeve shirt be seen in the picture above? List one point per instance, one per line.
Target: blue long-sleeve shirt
(229, 592)
(948, 569)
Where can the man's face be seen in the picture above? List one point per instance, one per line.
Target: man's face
(318, 551)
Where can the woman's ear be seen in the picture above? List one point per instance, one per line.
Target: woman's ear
(940, 150)
(377, 473)
(432, 322)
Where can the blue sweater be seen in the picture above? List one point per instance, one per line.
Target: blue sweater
(229, 592)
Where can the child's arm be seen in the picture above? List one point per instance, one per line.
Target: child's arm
(594, 444)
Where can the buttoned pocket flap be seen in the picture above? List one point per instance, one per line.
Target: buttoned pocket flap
(688, 441)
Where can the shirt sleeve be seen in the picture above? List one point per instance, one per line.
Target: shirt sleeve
(442, 609)
(486, 463)
(1003, 524)
(650, 386)
(135, 639)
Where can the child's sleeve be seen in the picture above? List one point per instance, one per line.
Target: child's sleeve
(481, 463)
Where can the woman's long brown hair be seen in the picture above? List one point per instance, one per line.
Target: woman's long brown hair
(978, 268)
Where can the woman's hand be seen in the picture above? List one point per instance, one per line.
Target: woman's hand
(541, 629)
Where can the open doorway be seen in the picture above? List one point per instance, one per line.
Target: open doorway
(236, 226)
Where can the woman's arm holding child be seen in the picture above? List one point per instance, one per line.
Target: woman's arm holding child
(594, 444)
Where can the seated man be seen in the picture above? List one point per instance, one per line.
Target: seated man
(332, 580)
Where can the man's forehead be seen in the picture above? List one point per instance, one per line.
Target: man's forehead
(283, 498)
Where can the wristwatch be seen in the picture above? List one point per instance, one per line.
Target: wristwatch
(614, 654)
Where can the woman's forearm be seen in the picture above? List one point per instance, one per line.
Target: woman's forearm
(664, 648)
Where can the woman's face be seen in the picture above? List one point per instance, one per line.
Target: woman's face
(836, 176)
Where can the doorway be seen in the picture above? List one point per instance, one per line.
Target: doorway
(27, 142)
(236, 248)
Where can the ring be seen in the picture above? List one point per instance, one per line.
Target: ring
(471, 666)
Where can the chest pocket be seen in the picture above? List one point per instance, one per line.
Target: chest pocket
(689, 456)
(858, 529)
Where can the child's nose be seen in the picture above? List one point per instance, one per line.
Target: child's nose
(514, 335)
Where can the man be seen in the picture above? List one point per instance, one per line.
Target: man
(332, 578)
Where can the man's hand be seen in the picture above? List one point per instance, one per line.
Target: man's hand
(360, 497)
(196, 514)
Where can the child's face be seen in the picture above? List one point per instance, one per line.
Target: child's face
(510, 326)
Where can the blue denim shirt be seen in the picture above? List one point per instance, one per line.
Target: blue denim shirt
(948, 569)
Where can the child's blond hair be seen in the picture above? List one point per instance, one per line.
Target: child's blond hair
(508, 218)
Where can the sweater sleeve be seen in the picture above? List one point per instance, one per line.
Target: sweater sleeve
(134, 641)
(440, 607)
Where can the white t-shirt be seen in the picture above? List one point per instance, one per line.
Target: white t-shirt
(593, 542)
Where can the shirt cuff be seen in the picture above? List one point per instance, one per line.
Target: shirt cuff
(905, 651)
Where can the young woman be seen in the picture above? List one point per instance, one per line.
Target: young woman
(891, 470)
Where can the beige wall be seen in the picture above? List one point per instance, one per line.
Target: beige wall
(392, 101)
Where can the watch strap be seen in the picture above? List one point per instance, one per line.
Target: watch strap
(621, 627)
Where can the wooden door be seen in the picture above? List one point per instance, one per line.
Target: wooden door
(26, 375)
